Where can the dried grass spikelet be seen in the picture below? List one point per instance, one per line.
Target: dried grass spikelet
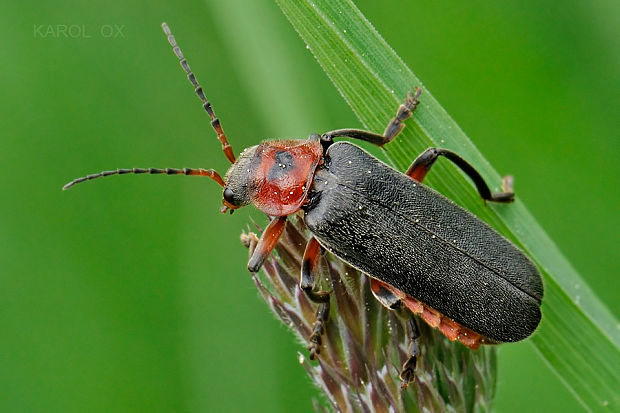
(365, 344)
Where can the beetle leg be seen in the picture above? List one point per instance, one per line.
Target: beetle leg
(322, 315)
(390, 300)
(384, 295)
(404, 112)
(407, 373)
(266, 243)
(423, 163)
(309, 268)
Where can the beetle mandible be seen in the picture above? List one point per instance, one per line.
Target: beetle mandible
(420, 250)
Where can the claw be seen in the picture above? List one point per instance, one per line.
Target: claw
(407, 374)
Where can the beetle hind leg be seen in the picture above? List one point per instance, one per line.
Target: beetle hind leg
(390, 300)
(309, 268)
(424, 162)
(384, 295)
(407, 371)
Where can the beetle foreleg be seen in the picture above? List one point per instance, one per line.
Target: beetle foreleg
(423, 163)
(404, 112)
(407, 373)
(309, 268)
(266, 243)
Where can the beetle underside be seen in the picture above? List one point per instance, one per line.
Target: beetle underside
(448, 327)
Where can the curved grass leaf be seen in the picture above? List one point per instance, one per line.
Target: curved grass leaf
(578, 336)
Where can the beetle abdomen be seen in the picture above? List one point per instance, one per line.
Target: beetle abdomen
(409, 236)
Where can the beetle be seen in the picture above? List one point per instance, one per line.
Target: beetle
(421, 250)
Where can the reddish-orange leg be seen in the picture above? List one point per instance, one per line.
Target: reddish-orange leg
(384, 295)
(309, 269)
(266, 243)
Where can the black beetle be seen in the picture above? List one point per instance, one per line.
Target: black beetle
(420, 249)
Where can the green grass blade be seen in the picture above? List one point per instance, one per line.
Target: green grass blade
(578, 337)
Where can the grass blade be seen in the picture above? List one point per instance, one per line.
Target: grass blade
(578, 336)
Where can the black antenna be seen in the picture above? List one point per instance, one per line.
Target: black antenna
(167, 171)
(210, 173)
(215, 122)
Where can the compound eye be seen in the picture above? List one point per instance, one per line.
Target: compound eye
(229, 196)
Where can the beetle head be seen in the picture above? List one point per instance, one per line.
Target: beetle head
(236, 193)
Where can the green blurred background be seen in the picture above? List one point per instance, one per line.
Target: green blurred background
(131, 294)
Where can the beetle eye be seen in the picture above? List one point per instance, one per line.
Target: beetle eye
(229, 196)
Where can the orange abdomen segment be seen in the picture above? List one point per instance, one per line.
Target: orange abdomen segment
(448, 327)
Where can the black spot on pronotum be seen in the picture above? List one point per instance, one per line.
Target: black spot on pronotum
(285, 163)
